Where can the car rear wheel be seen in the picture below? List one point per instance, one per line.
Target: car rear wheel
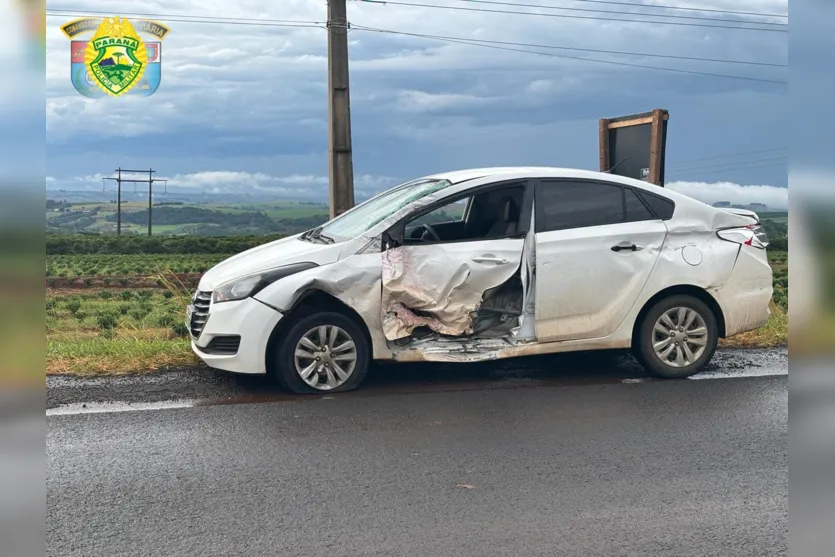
(678, 337)
(322, 352)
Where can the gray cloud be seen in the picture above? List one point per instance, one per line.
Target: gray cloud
(737, 194)
(253, 99)
(310, 186)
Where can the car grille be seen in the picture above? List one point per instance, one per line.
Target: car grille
(200, 312)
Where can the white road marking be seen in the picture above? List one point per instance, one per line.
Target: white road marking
(108, 407)
(112, 407)
(720, 374)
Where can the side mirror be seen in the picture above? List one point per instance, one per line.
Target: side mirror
(388, 242)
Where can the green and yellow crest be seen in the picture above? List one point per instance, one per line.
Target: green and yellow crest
(116, 56)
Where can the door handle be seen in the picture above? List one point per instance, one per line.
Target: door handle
(490, 259)
(626, 246)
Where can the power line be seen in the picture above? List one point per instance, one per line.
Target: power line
(596, 50)
(182, 18)
(621, 20)
(696, 173)
(588, 10)
(730, 155)
(551, 54)
(681, 8)
(472, 42)
(732, 163)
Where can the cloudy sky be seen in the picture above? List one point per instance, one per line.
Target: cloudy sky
(243, 107)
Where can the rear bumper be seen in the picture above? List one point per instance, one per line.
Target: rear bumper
(746, 297)
(253, 321)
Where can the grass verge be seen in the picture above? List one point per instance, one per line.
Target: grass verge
(126, 352)
(774, 333)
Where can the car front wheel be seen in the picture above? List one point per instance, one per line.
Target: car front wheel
(678, 337)
(325, 351)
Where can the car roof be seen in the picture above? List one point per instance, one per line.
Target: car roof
(458, 176)
(514, 172)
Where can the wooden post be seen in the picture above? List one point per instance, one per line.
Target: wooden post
(656, 138)
(603, 143)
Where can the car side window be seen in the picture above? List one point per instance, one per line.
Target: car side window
(635, 209)
(661, 206)
(566, 204)
(452, 212)
(561, 205)
(492, 213)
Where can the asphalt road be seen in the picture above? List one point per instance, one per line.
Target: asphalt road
(556, 468)
(203, 385)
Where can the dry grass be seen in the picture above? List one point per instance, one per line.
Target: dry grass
(141, 333)
(140, 351)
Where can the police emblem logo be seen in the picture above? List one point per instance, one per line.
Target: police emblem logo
(117, 60)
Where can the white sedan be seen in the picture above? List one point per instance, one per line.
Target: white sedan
(485, 264)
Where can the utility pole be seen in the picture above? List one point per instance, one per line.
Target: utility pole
(119, 202)
(340, 163)
(118, 181)
(150, 181)
(150, 197)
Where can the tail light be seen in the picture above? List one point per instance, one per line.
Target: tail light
(752, 235)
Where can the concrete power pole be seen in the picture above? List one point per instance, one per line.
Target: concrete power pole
(119, 202)
(118, 181)
(341, 165)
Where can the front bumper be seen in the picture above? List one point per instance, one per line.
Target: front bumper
(253, 321)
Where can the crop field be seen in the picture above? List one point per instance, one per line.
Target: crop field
(780, 266)
(114, 332)
(124, 265)
(196, 219)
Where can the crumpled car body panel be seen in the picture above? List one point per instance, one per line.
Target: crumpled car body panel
(441, 286)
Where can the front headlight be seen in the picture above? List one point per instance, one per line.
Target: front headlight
(250, 285)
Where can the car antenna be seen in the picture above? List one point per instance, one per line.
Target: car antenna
(617, 165)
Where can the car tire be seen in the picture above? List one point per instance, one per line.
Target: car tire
(297, 342)
(676, 349)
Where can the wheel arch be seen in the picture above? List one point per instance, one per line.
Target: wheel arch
(678, 290)
(312, 301)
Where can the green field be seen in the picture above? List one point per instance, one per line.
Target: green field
(192, 219)
(120, 265)
(115, 332)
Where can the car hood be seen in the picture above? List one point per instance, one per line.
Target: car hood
(269, 256)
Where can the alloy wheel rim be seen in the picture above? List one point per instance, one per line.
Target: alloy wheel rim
(325, 357)
(679, 337)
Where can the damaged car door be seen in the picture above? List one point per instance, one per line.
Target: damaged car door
(453, 269)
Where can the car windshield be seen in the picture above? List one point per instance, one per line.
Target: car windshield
(370, 213)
